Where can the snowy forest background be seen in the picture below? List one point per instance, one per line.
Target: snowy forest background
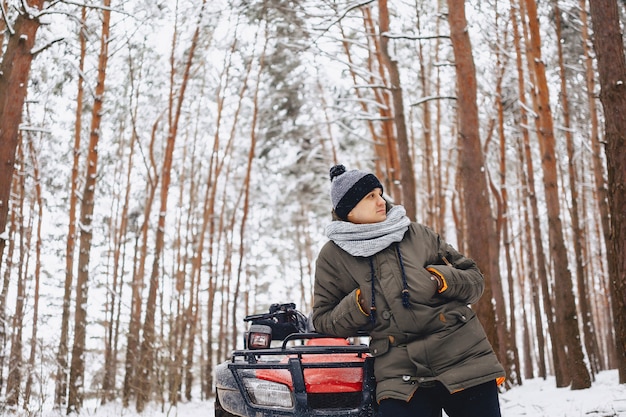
(171, 177)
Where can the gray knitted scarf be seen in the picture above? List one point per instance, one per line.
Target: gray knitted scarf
(368, 239)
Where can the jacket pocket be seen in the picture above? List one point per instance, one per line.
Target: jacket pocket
(379, 347)
(462, 314)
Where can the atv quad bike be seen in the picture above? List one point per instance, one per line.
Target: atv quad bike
(284, 370)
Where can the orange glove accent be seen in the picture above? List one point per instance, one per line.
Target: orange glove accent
(444, 284)
(360, 301)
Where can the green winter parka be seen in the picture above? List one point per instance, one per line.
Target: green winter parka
(437, 338)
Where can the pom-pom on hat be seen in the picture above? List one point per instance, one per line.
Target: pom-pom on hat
(349, 187)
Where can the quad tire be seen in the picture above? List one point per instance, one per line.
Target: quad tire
(219, 410)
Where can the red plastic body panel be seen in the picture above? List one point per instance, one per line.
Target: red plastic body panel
(322, 380)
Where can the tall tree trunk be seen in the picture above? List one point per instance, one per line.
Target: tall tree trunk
(189, 316)
(37, 275)
(578, 377)
(61, 377)
(131, 364)
(561, 369)
(208, 219)
(404, 150)
(227, 228)
(77, 370)
(6, 280)
(540, 277)
(387, 161)
(609, 48)
(480, 224)
(509, 344)
(14, 379)
(14, 72)
(535, 290)
(177, 320)
(193, 324)
(181, 334)
(147, 345)
(598, 169)
(443, 170)
(599, 175)
(589, 332)
(431, 174)
(386, 158)
(246, 191)
(119, 226)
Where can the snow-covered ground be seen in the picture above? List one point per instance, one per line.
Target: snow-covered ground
(540, 398)
(535, 398)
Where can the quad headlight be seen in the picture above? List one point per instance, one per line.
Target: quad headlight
(259, 337)
(268, 393)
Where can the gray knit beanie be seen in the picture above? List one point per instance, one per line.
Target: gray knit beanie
(349, 187)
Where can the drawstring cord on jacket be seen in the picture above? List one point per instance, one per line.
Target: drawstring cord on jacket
(405, 286)
(373, 304)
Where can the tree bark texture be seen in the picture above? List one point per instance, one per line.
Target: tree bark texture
(406, 162)
(510, 353)
(77, 367)
(480, 224)
(541, 280)
(581, 289)
(15, 377)
(61, 377)
(387, 165)
(5, 334)
(14, 74)
(578, 375)
(609, 48)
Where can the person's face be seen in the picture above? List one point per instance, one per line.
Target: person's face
(371, 209)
